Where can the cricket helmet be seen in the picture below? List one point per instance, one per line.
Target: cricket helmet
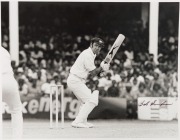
(99, 41)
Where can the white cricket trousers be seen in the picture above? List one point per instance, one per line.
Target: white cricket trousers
(79, 88)
(84, 95)
(10, 95)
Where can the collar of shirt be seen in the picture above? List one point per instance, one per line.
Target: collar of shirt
(92, 53)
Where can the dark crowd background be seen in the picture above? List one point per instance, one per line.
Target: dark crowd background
(52, 35)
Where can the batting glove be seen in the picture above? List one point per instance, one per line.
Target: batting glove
(104, 66)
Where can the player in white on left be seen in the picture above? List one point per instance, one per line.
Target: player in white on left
(10, 94)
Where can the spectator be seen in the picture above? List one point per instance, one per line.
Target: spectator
(173, 92)
(150, 60)
(156, 79)
(129, 53)
(56, 80)
(34, 90)
(22, 58)
(122, 83)
(141, 92)
(102, 92)
(157, 91)
(148, 82)
(167, 82)
(21, 75)
(135, 82)
(45, 88)
(127, 94)
(23, 88)
(113, 91)
(115, 76)
(109, 81)
(40, 78)
(32, 72)
(36, 53)
(105, 82)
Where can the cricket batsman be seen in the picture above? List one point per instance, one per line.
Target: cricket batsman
(83, 66)
(10, 94)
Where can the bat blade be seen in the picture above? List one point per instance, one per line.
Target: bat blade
(114, 48)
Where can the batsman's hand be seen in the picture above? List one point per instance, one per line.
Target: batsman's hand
(104, 66)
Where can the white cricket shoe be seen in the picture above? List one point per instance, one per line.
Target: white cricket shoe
(79, 125)
(89, 124)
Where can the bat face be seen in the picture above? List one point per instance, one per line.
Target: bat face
(112, 51)
(114, 48)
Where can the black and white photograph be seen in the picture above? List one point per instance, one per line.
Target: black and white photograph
(89, 69)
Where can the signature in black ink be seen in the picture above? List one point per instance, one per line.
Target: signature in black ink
(153, 103)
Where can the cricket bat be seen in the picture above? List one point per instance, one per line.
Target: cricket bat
(114, 49)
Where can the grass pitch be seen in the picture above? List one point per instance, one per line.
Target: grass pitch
(39, 129)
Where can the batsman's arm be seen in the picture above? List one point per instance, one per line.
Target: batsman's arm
(96, 71)
(103, 68)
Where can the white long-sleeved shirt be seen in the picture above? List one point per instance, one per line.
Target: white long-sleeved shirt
(5, 62)
(84, 64)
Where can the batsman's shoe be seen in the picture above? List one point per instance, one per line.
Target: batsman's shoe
(89, 124)
(79, 125)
